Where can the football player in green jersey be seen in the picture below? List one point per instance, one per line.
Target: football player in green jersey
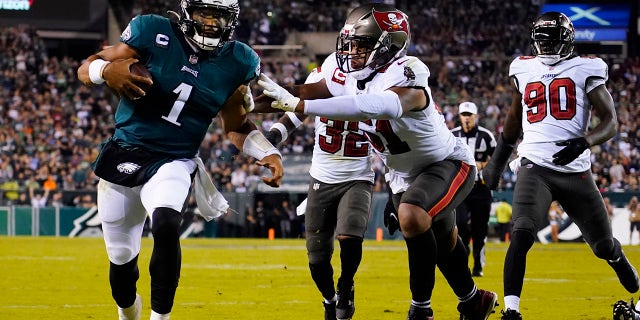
(147, 166)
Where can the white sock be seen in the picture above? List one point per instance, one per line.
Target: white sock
(512, 302)
(422, 304)
(157, 316)
(334, 299)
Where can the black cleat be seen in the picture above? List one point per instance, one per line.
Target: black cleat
(625, 311)
(345, 308)
(627, 274)
(417, 313)
(479, 307)
(329, 310)
(511, 315)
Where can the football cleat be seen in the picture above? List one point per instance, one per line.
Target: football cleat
(627, 274)
(417, 313)
(479, 307)
(133, 312)
(511, 314)
(625, 311)
(329, 310)
(345, 308)
(477, 273)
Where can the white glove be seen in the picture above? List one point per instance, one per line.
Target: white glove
(283, 99)
(248, 98)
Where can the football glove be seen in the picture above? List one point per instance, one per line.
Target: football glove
(492, 172)
(283, 99)
(274, 136)
(391, 216)
(572, 149)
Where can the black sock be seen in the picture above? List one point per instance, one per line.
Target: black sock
(455, 268)
(164, 266)
(422, 264)
(322, 275)
(350, 257)
(123, 282)
(515, 262)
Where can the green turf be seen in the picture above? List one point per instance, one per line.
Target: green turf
(62, 278)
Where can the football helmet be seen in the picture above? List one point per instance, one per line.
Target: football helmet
(552, 37)
(373, 35)
(203, 29)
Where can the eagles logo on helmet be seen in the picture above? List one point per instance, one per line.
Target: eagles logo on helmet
(378, 32)
(552, 37)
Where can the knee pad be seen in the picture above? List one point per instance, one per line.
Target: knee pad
(165, 222)
(607, 249)
(444, 230)
(319, 247)
(122, 249)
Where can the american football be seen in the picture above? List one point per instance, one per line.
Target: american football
(140, 70)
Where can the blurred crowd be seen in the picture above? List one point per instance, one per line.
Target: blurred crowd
(51, 126)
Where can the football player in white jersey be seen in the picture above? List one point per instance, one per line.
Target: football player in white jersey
(338, 203)
(554, 94)
(430, 171)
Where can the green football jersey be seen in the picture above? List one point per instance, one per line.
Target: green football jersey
(188, 88)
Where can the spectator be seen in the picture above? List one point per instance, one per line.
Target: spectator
(634, 217)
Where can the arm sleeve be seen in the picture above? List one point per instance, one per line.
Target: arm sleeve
(384, 105)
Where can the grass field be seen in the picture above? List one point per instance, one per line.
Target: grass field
(62, 278)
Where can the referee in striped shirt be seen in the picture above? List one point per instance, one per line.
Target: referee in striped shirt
(472, 215)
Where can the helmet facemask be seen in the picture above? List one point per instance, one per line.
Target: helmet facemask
(552, 42)
(372, 37)
(209, 24)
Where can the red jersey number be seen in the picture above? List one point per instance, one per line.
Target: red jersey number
(561, 103)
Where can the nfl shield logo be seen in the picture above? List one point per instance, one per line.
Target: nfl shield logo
(193, 59)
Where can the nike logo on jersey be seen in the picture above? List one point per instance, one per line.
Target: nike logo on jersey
(403, 61)
(187, 69)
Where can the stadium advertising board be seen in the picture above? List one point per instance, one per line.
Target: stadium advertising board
(596, 22)
(68, 15)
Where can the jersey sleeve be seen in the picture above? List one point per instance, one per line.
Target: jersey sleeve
(518, 68)
(314, 76)
(596, 72)
(249, 58)
(140, 33)
(407, 71)
(334, 78)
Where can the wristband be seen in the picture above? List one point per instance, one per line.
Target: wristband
(283, 130)
(294, 119)
(95, 70)
(257, 146)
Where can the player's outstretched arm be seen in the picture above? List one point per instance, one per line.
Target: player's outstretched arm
(246, 137)
(111, 66)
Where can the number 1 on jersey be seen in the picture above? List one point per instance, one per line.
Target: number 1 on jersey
(183, 91)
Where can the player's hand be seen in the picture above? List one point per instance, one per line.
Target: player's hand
(491, 175)
(118, 77)
(391, 216)
(247, 98)
(283, 99)
(274, 163)
(572, 149)
(274, 136)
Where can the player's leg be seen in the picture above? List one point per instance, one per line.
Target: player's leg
(463, 223)
(352, 219)
(123, 219)
(320, 223)
(435, 193)
(531, 199)
(165, 195)
(481, 197)
(583, 203)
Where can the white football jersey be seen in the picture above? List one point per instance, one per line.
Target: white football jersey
(415, 140)
(555, 106)
(341, 150)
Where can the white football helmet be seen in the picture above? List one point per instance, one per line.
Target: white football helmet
(209, 36)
